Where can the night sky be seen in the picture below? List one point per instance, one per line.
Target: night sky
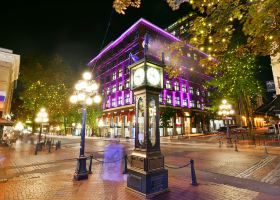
(72, 29)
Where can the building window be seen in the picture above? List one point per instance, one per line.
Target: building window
(198, 104)
(108, 90)
(119, 101)
(127, 99)
(160, 98)
(120, 73)
(189, 55)
(120, 86)
(192, 104)
(191, 90)
(126, 70)
(176, 86)
(108, 104)
(185, 102)
(197, 92)
(114, 88)
(168, 99)
(168, 85)
(113, 102)
(194, 56)
(114, 76)
(178, 103)
(127, 83)
(102, 93)
(184, 88)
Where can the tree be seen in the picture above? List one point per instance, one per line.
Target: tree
(92, 115)
(166, 114)
(218, 21)
(46, 82)
(235, 79)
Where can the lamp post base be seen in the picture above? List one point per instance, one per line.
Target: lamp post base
(81, 170)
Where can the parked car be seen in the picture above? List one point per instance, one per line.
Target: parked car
(270, 130)
(239, 130)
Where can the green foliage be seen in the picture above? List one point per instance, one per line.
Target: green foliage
(92, 115)
(166, 114)
(235, 79)
(217, 22)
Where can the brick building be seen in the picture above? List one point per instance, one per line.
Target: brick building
(185, 92)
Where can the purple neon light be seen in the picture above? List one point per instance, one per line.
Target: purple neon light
(132, 28)
(129, 31)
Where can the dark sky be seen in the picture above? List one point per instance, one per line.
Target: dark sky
(73, 29)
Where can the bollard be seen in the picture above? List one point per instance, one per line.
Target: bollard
(220, 143)
(265, 149)
(254, 140)
(56, 145)
(125, 164)
(49, 146)
(36, 149)
(235, 145)
(90, 164)
(194, 182)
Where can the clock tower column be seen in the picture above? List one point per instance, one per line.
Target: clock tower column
(147, 175)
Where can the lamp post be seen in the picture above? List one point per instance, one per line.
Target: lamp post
(225, 110)
(41, 117)
(85, 94)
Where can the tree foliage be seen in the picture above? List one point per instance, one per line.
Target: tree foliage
(235, 79)
(217, 21)
(166, 114)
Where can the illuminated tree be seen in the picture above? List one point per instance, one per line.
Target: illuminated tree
(235, 79)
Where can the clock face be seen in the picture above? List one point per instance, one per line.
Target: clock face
(153, 76)
(138, 77)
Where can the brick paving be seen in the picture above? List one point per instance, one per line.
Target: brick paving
(24, 176)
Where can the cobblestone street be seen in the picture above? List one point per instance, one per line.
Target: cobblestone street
(222, 173)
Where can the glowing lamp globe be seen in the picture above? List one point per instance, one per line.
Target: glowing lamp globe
(87, 75)
(97, 99)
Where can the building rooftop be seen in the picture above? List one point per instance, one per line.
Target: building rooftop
(146, 23)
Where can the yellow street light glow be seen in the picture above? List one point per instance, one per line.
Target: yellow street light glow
(81, 97)
(89, 101)
(87, 75)
(78, 86)
(73, 99)
(97, 99)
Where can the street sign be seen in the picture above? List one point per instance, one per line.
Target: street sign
(270, 86)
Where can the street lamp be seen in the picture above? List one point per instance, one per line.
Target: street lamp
(85, 94)
(41, 117)
(226, 110)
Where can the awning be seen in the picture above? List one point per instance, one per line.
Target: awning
(5, 122)
(271, 108)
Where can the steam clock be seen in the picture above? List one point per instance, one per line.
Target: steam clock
(147, 174)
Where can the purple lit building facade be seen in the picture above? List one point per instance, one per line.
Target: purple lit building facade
(185, 93)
